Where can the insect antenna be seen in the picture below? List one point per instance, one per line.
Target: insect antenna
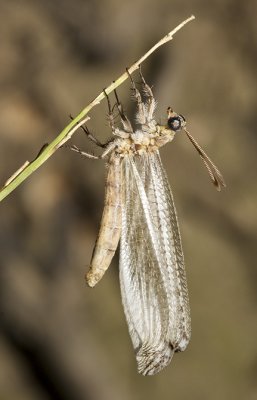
(215, 175)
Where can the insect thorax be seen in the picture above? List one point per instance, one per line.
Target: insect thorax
(141, 141)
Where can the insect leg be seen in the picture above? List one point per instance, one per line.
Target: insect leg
(107, 146)
(141, 115)
(111, 116)
(151, 103)
(90, 135)
(111, 119)
(124, 119)
(73, 147)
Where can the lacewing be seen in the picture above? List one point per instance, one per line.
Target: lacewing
(139, 212)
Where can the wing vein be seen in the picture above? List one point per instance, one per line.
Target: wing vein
(153, 283)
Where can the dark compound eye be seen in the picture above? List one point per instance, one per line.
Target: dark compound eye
(176, 123)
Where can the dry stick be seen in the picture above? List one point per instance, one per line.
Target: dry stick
(26, 170)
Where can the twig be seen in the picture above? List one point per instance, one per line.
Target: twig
(26, 170)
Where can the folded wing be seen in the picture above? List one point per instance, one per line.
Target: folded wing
(152, 274)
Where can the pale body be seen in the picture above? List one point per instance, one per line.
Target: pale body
(153, 283)
(138, 144)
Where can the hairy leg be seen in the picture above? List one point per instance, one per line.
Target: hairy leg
(141, 114)
(150, 104)
(124, 119)
(90, 135)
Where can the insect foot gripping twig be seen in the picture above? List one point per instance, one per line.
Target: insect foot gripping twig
(89, 134)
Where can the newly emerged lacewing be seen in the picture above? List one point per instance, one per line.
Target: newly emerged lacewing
(139, 212)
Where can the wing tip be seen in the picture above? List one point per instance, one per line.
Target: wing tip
(152, 360)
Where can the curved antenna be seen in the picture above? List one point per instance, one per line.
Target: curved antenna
(215, 175)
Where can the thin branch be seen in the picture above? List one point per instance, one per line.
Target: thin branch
(26, 170)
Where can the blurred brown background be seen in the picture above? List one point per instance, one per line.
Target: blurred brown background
(58, 338)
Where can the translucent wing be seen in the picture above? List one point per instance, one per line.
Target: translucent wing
(152, 274)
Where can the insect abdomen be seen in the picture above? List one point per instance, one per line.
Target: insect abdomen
(110, 228)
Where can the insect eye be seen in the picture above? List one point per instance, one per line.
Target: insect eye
(176, 123)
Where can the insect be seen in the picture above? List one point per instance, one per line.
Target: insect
(139, 212)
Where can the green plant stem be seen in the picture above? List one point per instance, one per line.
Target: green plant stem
(26, 170)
